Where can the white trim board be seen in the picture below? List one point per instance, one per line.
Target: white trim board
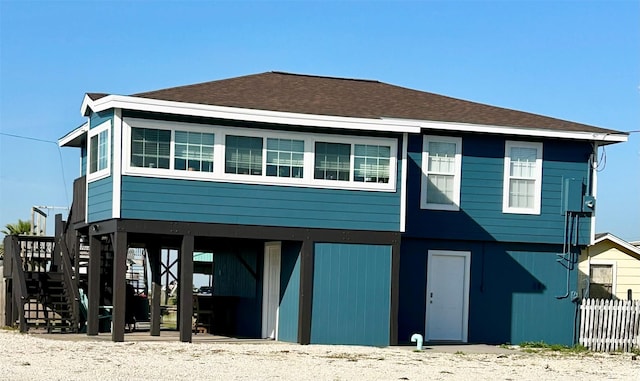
(398, 125)
(117, 163)
(404, 177)
(73, 135)
(521, 131)
(236, 113)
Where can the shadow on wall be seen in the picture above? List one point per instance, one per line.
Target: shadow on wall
(513, 297)
(518, 292)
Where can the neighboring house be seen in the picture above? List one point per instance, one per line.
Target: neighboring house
(341, 211)
(610, 268)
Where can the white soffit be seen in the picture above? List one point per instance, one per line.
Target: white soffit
(398, 125)
(535, 132)
(73, 135)
(253, 115)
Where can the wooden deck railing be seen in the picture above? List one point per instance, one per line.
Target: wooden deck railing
(19, 292)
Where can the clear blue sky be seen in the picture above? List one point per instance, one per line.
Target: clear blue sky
(574, 60)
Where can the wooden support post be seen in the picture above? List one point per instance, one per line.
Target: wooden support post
(8, 303)
(306, 292)
(93, 288)
(76, 257)
(119, 285)
(154, 255)
(185, 287)
(59, 229)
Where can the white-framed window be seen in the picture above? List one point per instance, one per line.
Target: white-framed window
(441, 173)
(99, 151)
(285, 158)
(245, 155)
(193, 151)
(522, 190)
(371, 163)
(150, 148)
(332, 161)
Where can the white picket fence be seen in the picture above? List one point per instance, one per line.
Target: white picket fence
(610, 325)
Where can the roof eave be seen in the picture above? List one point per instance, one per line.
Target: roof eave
(601, 137)
(253, 115)
(618, 241)
(75, 137)
(398, 125)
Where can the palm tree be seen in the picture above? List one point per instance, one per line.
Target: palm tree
(19, 228)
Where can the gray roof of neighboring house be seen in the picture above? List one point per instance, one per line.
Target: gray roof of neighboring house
(309, 94)
(631, 246)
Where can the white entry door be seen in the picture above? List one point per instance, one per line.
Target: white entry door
(271, 290)
(447, 295)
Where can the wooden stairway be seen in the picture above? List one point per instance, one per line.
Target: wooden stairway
(48, 303)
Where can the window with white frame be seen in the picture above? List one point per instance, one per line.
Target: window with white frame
(371, 163)
(285, 158)
(99, 151)
(218, 153)
(150, 148)
(243, 155)
(441, 172)
(332, 161)
(193, 151)
(522, 177)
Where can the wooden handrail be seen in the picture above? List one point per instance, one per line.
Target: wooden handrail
(68, 275)
(69, 278)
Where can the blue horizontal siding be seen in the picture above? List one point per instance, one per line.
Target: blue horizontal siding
(351, 294)
(100, 200)
(199, 201)
(540, 316)
(480, 216)
(513, 292)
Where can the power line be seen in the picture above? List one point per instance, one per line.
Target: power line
(28, 138)
(64, 180)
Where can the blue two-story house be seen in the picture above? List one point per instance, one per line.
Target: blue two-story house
(340, 211)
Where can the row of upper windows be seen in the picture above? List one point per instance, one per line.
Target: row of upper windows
(244, 155)
(191, 152)
(442, 168)
(215, 153)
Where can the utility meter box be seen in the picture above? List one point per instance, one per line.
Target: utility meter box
(589, 205)
(572, 193)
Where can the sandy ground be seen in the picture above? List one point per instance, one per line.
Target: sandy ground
(34, 357)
